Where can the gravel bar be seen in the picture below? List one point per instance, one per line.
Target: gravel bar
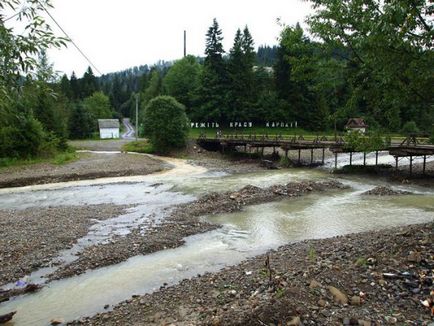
(372, 278)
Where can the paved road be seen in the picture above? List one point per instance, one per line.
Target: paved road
(129, 133)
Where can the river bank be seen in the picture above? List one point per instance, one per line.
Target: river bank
(373, 278)
(88, 166)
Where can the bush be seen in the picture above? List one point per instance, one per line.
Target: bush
(165, 123)
(410, 127)
(138, 147)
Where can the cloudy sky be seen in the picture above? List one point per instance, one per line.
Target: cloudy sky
(116, 34)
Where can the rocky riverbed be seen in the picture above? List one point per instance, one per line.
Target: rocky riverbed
(31, 238)
(182, 222)
(373, 278)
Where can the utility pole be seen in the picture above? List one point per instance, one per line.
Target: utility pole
(137, 116)
(185, 43)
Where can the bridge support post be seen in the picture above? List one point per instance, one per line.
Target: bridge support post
(262, 152)
(376, 158)
(396, 163)
(299, 156)
(286, 153)
(311, 156)
(424, 164)
(323, 155)
(364, 159)
(411, 164)
(351, 158)
(336, 160)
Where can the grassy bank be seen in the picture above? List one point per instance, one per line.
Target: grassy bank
(140, 146)
(58, 159)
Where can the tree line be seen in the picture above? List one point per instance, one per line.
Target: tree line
(373, 60)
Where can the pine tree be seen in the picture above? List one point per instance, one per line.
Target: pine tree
(65, 87)
(213, 91)
(75, 87)
(242, 79)
(88, 84)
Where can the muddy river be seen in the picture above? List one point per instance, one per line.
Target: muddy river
(244, 234)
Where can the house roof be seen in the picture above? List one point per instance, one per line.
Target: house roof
(108, 123)
(356, 123)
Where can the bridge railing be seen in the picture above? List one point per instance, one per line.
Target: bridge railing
(271, 138)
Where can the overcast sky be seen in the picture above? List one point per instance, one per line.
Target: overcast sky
(117, 34)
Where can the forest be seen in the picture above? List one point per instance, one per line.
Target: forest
(366, 59)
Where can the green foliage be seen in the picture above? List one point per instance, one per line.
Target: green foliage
(24, 92)
(142, 146)
(212, 94)
(22, 137)
(409, 127)
(98, 106)
(182, 81)
(358, 142)
(65, 157)
(81, 123)
(388, 54)
(165, 123)
(241, 92)
(58, 159)
(431, 138)
(18, 50)
(88, 84)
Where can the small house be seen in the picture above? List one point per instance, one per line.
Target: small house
(356, 124)
(108, 128)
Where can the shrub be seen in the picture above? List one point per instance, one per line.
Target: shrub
(165, 123)
(409, 128)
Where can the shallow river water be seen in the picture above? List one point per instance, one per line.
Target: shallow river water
(244, 234)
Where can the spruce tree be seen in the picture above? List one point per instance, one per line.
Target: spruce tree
(213, 91)
(75, 87)
(242, 79)
(65, 87)
(88, 84)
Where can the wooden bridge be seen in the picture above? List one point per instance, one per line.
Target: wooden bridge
(412, 146)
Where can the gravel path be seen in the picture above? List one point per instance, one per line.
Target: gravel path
(373, 278)
(89, 166)
(183, 222)
(99, 145)
(31, 238)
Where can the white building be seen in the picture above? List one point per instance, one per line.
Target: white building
(108, 128)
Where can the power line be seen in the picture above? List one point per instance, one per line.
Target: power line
(11, 17)
(70, 39)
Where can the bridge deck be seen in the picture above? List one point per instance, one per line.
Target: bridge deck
(294, 143)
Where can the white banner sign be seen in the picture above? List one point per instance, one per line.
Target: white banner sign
(204, 125)
(240, 124)
(281, 124)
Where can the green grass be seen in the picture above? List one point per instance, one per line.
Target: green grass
(140, 146)
(58, 159)
(211, 132)
(65, 157)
